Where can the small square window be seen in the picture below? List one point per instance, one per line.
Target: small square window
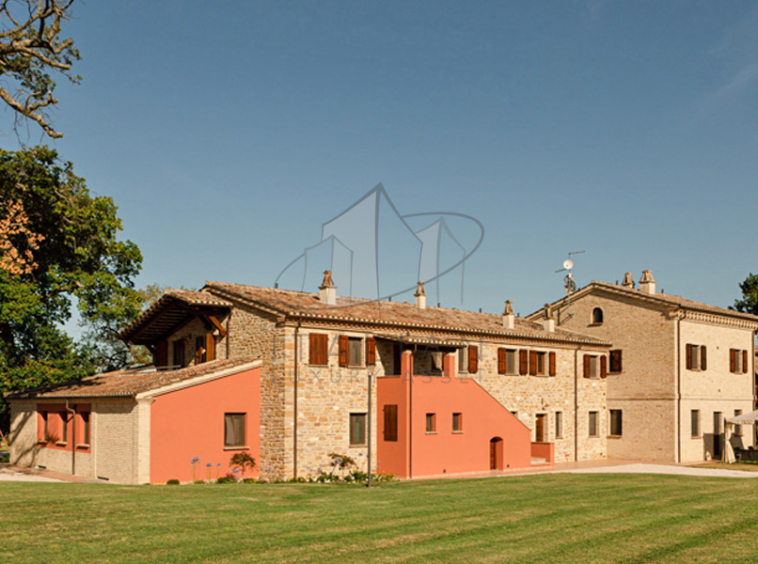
(355, 351)
(457, 422)
(558, 424)
(86, 428)
(64, 428)
(738, 428)
(234, 430)
(616, 423)
(593, 432)
(357, 429)
(695, 423)
(431, 422)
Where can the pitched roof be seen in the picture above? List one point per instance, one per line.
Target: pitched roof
(172, 309)
(389, 315)
(130, 382)
(666, 300)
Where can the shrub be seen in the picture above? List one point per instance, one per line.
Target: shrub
(249, 481)
(228, 479)
(172, 482)
(242, 461)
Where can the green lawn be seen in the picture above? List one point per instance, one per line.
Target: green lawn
(545, 518)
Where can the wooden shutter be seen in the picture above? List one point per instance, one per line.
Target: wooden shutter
(533, 363)
(744, 362)
(501, 361)
(370, 351)
(210, 347)
(473, 359)
(615, 361)
(552, 363)
(689, 356)
(317, 345)
(703, 358)
(160, 358)
(732, 360)
(199, 349)
(390, 423)
(587, 361)
(344, 343)
(523, 367)
(603, 366)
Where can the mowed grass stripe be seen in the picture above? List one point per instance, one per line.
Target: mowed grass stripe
(559, 518)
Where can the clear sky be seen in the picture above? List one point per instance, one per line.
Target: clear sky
(229, 132)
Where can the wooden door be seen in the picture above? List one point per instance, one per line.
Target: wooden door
(496, 454)
(541, 427)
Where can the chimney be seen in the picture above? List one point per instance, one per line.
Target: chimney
(548, 323)
(628, 281)
(647, 284)
(420, 296)
(328, 291)
(508, 318)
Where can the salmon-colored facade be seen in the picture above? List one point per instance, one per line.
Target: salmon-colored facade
(428, 411)
(189, 423)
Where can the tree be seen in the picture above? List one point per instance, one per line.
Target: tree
(749, 301)
(30, 48)
(57, 243)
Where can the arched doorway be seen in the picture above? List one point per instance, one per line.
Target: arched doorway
(496, 453)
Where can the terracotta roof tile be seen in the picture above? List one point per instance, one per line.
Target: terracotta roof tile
(390, 314)
(130, 382)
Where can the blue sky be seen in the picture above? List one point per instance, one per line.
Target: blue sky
(229, 132)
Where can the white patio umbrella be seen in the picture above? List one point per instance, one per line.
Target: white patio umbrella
(744, 419)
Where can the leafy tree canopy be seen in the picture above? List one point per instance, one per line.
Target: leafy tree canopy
(31, 47)
(57, 243)
(749, 301)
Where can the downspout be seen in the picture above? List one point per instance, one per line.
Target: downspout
(576, 404)
(73, 438)
(294, 438)
(410, 415)
(678, 389)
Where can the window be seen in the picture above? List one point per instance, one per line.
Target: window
(738, 361)
(85, 428)
(615, 364)
(431, 422)
(536, 363)
(616, 423)
(234, 430)
(593, 424)
(200, 355)
(390, 423)
(597, 316)
(595, 366)
(179, 354)
(457, 422)
(695, 419)
(436, 359)
(318, 351)
(506, 361)
(357, 429)
(558, 424)
(43, 429)
(738, 428)
(696, 357)
(64, 428)
(462, 361)
(350, 351)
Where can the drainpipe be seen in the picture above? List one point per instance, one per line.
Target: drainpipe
(370, 414)
(294, 465)
(410, 416)
(678, 390)
(73, 438)
(576, 404)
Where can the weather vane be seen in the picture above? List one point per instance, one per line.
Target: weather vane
(568, 280)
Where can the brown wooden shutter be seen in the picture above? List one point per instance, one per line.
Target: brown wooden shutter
(587, 361)
(618, 361)
(210, 347)
(501, 361)
(732, 360)
(533, 363)
(689, 356)
(552, 363)
(703, 358)
(473, 359)
(370, 351)
(161, 354)
(603, 366)
(744, 362)
(344, 343)
(390, 423)
(523, 367)
(317, 345)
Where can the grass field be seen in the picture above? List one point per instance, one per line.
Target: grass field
(546, 518)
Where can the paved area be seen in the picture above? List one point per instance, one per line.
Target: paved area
(662, 469)
(12, 475)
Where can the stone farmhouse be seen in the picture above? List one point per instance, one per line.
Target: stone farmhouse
(290, 377)
(677, 368)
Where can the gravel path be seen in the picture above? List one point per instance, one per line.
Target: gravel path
(12, 476)
(664, 469)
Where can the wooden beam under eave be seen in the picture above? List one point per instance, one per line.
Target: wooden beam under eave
(221, 329)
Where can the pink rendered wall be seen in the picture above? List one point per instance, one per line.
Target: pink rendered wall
(190, 422)
(445, 451)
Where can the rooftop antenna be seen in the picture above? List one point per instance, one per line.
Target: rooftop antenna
(568, 280)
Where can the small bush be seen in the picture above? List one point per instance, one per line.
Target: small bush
(226, 480)
(249, 481)
(172, 482)
(199, 482)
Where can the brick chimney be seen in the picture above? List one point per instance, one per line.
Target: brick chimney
(328, 290)
(508, 317)
(628, 281)
(548, 323)
(647, 284)
(420, 296)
